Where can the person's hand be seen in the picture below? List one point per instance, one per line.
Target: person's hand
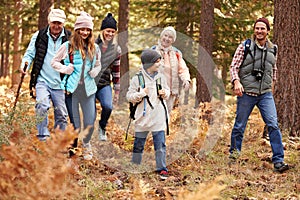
(162, 93)
(186, 85)
(95, 71)
(69, 69)
(238, 88)
(146, 91)
(23, 69)
(33, 92)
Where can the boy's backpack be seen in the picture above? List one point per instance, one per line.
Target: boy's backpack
(133, 107)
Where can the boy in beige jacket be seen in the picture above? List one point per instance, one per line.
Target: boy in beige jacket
(150, 114)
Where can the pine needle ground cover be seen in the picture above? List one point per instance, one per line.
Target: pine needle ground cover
(30, 169)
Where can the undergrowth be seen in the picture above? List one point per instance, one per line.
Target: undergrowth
(31, 169)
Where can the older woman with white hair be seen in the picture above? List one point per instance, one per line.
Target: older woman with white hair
(173, 66)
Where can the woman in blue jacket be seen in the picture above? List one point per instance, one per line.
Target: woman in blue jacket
(81, 58)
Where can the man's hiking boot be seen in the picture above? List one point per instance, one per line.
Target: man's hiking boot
(281, 167)
(102, 134)
(163, 175)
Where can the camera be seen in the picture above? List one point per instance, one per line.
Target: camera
(258, 73)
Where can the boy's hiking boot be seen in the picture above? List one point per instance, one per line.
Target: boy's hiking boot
(233, 157)
(163, 175)
(102, 134)
(281, 167)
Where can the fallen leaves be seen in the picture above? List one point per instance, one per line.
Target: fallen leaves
(198, 170)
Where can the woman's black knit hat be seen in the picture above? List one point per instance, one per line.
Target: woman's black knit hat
(109, 22)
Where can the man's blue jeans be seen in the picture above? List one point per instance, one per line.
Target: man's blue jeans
(43, 96)
(266, 106)
(159, 142)
(104, 95)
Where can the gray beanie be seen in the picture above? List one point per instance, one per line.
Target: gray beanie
(149, 57)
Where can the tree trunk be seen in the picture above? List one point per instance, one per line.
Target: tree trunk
(123, 42)
(7, 44)
(17, 40)
(45, 6)
(205, 67)
(287, 90)
(2, 45)
(184, 25)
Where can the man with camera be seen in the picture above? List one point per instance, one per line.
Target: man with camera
(252, 77)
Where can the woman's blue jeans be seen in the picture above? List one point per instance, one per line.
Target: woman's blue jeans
(87, 105)
(266, 106)
(159, 142)
(104, 95)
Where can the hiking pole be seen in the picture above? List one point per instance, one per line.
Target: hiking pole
(126, 135)
(159, 87)
(19, 88)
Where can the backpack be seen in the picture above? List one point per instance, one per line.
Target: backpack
(133, 107)
(247, 44)
(177, 52)
(71, 58)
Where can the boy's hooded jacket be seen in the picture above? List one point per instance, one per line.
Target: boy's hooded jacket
(154, 119)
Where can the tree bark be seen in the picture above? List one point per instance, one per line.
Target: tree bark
(2, 45)
(287, 90)
(205, 67)
(17, 40)
(185, 26)
(45, 6)
(123, 42)
(7, 44)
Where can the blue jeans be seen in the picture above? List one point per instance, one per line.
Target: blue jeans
(159, 142)
(266, 106)
(43, 96)
(68, 100)
(104, 95)
(87, 105)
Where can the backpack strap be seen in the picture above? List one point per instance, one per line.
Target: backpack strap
(142, 85)
(71, 58)
(132, 107)
(247, 45)
(141, 80)
(275, 50)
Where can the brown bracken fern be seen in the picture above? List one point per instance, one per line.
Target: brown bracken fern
(37, 170)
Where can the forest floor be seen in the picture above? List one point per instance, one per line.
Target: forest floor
(197, 156)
